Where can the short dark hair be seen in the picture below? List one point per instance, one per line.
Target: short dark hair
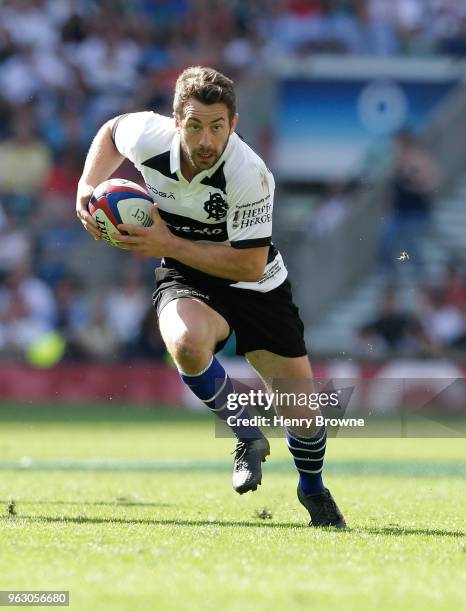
(206, 85)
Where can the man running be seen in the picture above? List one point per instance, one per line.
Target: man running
(220, 271)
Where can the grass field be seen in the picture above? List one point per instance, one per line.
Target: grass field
(134, 511)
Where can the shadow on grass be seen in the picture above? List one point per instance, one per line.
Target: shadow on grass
(400, 531)
(117, 502)
(393, 531)
(155, 522)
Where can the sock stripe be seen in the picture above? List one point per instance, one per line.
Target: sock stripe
(220, 397)
(319, 471)
(301, 456)
(206, 384)
(309, 458)
(313, 450)
(237, 414)
(225, 380)
(184, 375)
(218, 409)
(310, 442)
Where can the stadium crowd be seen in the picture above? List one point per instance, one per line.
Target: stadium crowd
(433, 324)
(68, 65)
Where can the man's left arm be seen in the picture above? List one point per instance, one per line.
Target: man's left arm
(246, 264)
(249, 227)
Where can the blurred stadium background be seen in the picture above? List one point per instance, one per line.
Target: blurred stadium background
(106, 489)
(371, 222)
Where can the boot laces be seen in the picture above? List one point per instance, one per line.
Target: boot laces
(240, 452)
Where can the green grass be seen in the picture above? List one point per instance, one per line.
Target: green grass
(154, 535)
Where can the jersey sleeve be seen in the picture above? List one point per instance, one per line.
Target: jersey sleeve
(249, 220)
(138, 135)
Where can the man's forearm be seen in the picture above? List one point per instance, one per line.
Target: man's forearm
(220, 260)
(102, 159)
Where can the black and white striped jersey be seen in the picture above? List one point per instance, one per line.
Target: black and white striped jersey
(230, 203)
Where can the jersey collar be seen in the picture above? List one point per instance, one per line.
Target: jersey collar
(175, 158)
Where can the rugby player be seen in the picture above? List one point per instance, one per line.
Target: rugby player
(220, 271)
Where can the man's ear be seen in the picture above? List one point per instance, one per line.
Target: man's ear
(234, 123)
(177, 121)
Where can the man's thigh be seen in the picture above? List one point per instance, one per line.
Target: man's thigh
(191, 317)
(271, 366)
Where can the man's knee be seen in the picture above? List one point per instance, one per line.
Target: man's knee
(191, 330)
(191, 350)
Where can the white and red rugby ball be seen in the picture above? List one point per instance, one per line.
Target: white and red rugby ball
(119, 201)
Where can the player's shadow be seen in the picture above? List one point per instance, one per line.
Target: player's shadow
(155, 522)
(400, 531)
(389, 530)
(117, 502)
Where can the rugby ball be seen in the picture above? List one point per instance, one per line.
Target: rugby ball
(119, 201)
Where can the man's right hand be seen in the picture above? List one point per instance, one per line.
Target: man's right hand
(82, 199)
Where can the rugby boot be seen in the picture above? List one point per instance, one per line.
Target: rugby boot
(247, 470)
(323, 510)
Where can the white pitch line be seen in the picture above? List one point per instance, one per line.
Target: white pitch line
(376, 468)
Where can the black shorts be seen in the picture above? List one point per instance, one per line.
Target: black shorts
(261, 321)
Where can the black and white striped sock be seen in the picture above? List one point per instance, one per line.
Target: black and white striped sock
(308, 455)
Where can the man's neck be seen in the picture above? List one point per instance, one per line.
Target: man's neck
(187, 170)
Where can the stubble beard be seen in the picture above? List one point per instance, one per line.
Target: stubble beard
(191, 160)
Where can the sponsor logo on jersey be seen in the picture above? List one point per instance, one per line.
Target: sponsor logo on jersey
(216, 207)
(269, 273)
(250, 204)
(192, 292)
(235, 223)
(204, 231)
(252, 216)
(192, 229)
(162, 194)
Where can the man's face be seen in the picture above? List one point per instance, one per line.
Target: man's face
(204, 131)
